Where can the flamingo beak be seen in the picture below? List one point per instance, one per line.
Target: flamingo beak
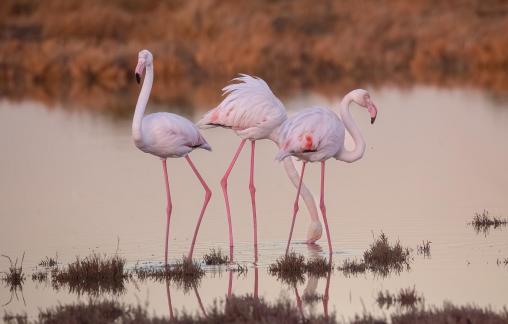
(139, 70)
(373, 112)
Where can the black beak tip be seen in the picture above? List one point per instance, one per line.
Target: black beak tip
(372, 120)
(138, 78)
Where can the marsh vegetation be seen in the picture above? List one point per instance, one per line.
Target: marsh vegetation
(483, 222)
(381, 258)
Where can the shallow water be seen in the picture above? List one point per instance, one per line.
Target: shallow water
(73, 182)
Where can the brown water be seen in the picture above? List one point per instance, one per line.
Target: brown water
(72, 183)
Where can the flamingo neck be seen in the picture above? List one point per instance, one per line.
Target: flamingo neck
(357, 153)
(144, 94)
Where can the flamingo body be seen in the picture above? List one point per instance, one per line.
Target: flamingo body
(168, 135)
(250, 109)
(314, 134)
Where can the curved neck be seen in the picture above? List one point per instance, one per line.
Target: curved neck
(144, 94)
(357, 153)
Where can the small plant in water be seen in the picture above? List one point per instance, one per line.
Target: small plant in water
(405, 298)
(381, 257)
(15, 276)
(49, 262)
(185, 273)
(353, 267)
(318, 267)
(289, 268)
(40, 276)
(215, 257)
(93, 274)
(424, 249)
(502, 262)
(482, 222)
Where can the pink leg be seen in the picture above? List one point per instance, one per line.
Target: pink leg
(169, 300)
(299, 302)
(224, 185)
(230, 283)
(295, 209)
(208, 194)
(169, 207)
(323, 207)
(252, 190)
(199, 300)
(327, 289)
(256, 282)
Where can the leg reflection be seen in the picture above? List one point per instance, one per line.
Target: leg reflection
(170, 307)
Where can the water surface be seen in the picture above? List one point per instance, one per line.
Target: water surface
(73, 182)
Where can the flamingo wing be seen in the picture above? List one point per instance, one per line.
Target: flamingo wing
(170, 135)
(250, 108)
(314, 134)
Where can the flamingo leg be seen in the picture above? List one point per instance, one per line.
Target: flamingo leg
(224, 186)
(256, 282)
(230, 284)
(169, 300)
(199, 300)
(323, 207)
(295, 209)
(208, 194)
(252, 190)
(299, 302)
(169, 208)
(327, 289)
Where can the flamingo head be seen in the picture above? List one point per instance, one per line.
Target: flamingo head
(145, 58)
(362, 98)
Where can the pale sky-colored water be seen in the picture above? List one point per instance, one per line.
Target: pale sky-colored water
(74, 182)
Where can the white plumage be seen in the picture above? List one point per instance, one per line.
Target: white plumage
(168, 135)
(250, 108)
(314, 134)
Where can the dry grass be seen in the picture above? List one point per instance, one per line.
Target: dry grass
(482, 222)
(289, 268)
(292, 267)
(502, 262)
(84, 51)
(232, 310)
(318, 267)
(40, 276)
(15, 276)
(251, 310)
(15, 319)
(424, 249)
(49, 262)
(450, 313)
(381, 258)
(215, 257)
(185, 273)
(94, 274)
(353, 267)
(406, 298)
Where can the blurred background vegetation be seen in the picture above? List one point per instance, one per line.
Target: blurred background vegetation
(84, 51)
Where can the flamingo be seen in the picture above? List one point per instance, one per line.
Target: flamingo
(254, 113)
(317, 134)
(166, 135)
